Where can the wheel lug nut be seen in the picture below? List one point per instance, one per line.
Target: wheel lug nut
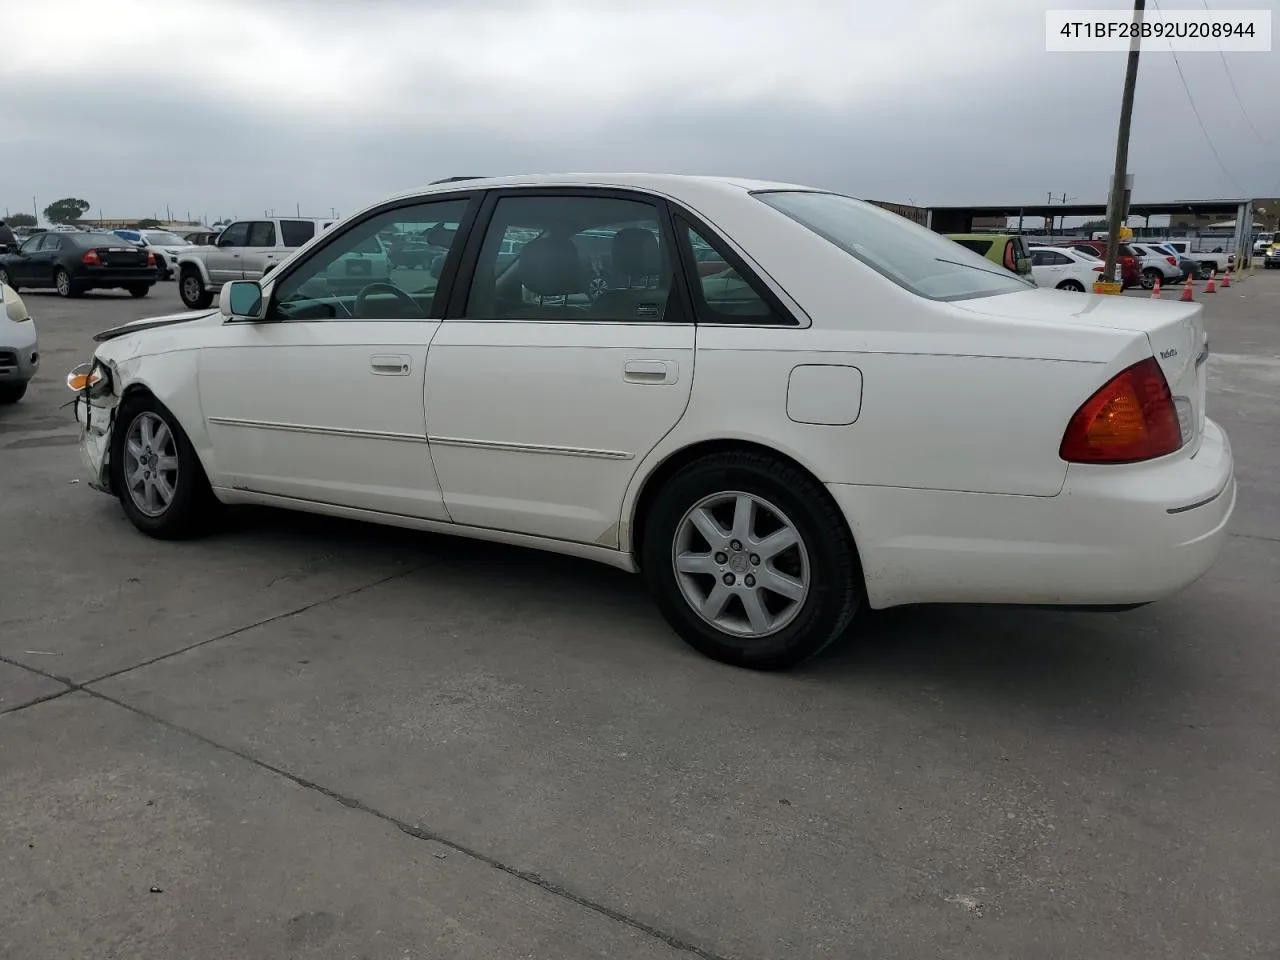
(736, 545)
(750, 581)
(722, 558)
(755, 559)
(728, 579)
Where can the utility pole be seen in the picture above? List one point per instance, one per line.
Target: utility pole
(1116, 202)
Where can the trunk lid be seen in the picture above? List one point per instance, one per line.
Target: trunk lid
(125, 255)
(1174, 330)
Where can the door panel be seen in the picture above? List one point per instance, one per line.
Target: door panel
(224, 262)
(308, 410)
(537, 427)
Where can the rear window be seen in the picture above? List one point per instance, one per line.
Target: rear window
(914, 257)
(297, 232)
(977, 246)
(97, 239)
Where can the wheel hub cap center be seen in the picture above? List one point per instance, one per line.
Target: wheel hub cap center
(739, 563)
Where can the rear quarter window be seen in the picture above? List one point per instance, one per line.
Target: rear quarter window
(977, 246)
(297, 232)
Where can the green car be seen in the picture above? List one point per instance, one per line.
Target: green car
(1005, 249)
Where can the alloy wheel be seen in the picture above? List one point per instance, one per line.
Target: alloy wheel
(150, 464)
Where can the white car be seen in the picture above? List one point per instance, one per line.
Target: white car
(1064, 268)
(165, 246)
(19, 346)
(1154, 262)
(872, 416)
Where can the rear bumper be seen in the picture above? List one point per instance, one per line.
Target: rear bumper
(107, 277)
(1114, 535)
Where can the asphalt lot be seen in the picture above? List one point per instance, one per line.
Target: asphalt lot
(310, 738)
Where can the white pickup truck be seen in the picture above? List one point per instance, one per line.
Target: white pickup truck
(1209, 260)
(244, 250)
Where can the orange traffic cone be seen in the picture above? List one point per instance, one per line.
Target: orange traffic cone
(1211, 287)
(1155, 291)
(1187, 289)
(1226, 279)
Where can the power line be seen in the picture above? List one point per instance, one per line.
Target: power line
(1200, 120)
(1232, 80)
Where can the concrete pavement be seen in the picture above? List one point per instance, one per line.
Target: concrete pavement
(318, 739)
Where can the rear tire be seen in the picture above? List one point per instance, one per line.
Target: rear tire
(749, 624)
(139, 290)
(192, 290)
(1149, 276)
(4, 278)
(12, 392)
(62, 283)
(156, 474)
(1072, 286)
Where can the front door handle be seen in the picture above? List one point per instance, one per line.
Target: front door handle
(390, 364)
(650, 371)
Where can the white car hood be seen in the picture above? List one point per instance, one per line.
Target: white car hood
(148, 323)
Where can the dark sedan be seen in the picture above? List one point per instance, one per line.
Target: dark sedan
(72, 263)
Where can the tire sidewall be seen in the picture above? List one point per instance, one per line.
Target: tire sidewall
(194, 302)
(816, 624)
(189, 506)
(70, 289)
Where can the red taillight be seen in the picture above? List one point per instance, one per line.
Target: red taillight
(151, 259)
(1131, 418)
(92, 259)
(1173, 261)
(1098, 269)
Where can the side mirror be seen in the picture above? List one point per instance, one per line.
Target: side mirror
(242, 300)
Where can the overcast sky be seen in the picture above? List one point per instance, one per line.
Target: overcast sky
(229, 107)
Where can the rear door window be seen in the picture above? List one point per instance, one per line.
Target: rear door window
(297, 232)
(262, 233)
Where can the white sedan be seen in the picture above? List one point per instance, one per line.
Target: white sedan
(1064, 268)
(867, 414)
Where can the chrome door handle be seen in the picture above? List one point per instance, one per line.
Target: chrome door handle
(390, 364)
(650, 371)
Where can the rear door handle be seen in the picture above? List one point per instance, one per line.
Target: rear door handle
(390, 364)
(651, 371)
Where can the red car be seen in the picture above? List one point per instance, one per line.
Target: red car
(1130, 270)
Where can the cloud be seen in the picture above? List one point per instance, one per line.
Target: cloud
(232, 106)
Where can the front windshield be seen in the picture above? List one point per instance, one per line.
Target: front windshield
(914, 257)
(161, 239)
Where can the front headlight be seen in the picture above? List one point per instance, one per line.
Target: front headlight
(92, 378)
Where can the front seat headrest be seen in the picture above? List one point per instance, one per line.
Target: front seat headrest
(552, 267)
(635, 252)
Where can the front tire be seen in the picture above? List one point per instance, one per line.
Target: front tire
(139, 290)
(750, 561)
(12, 392)
(156, 474)
(192, 290)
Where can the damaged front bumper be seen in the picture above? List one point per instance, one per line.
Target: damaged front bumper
(96, 421)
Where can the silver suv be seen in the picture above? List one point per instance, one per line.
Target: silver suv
(244, 250)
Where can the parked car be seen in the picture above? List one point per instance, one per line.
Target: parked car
(1064, 269)
(1262, 242)
(1008, 250)
(1154, 262)
(165, 246)
(1272, 259)
(73, 262)
(873, 420)
(244, 250)
(1126, 259)
(1188, 268)
(19, 346)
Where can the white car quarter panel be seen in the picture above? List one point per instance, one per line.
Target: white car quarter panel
(308, 410)
(537, 427)
(828, 394)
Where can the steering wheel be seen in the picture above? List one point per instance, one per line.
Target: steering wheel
(380, 287)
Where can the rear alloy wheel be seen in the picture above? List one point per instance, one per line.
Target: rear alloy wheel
(139, 290)
(192, 290)
(1072, 286)
(156, 474)
(750, 561)
(4, 279)
(12, 392)
(1149, 277)
(62, 283)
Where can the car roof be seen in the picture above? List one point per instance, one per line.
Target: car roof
(679, 186)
